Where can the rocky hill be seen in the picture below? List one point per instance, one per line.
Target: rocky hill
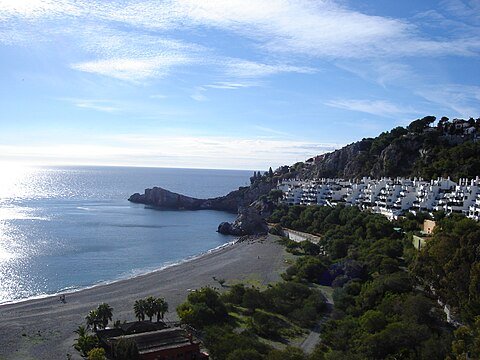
(448, 148)
(251, 203)
(420, 150)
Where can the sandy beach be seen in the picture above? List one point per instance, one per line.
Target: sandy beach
(43, 328)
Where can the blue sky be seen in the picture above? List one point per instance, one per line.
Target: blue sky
(241, 84)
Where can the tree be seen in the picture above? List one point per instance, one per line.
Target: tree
(270, 172)
(126, 349)
(96, 354)
(203, 307)
(245, 354)
(139, 309)
(266, 324)
(161, 307)
(150, 307)
(419, 125)
(93, 319)
(289, 353)
(105, 314)
(85, 341)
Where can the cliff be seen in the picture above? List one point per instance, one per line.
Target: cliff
(251, 213)
(449, 149)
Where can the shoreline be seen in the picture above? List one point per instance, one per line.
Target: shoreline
(44, 328)
(141, 273)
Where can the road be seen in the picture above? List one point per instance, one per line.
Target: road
(308, 345)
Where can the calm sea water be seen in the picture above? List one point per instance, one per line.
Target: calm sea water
(71, 227)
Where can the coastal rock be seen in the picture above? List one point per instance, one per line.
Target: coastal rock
(250, 220)
(251, 213)
(163, 198)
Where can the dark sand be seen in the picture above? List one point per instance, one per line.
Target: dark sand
(43, 328)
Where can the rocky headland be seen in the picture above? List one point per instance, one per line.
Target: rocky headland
(245, 201)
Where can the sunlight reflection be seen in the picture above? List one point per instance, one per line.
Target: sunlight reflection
(13, 178)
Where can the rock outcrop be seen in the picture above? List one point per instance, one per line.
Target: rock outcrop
(400, 156)
(250, 220)
(251, 213)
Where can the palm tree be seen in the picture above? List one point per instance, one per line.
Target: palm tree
(139, 309)
(85, 342)
(161, 307)
(150, 307)
(93, 319)
(81, 331)
(105, 313)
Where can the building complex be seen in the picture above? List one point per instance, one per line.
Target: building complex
(387, 196)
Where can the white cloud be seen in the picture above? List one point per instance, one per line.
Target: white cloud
(249, 69)
(227, 85)
(375, 107)
(466, 10)
(381, 72)
(94, 104)
(32, 9)
(132, 69)
(322, 28)
(199, 94)
(170, 151)
(464, 100)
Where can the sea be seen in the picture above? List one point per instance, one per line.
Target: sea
(68, 228)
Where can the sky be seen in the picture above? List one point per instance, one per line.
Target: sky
(232, 84)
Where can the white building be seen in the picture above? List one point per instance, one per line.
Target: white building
(390, 197)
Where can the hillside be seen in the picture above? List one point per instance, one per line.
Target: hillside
(426, 148)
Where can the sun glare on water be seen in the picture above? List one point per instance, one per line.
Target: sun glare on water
(14, 179)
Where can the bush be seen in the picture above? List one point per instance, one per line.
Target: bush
(266, 324)
(203, 307)
(96, 354)
(126, 349)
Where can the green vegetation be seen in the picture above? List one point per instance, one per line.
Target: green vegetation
(420, 149)
(243, 321)
(450, 264)
(87, 343)
(150, 307)
(96, 354)
(126, 349)
(380, 311)
(459, 161)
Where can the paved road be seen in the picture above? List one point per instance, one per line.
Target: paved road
(308, 345)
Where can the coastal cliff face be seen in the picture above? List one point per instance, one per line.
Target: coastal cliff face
(251, 213)
(426, 155)
(250, 220)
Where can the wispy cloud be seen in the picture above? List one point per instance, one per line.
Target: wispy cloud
(227, 85)
(321, 29)
(158, 96)
(174, 151)
(199, 94)
(94, 104)
(250, 69)
(464, 100)
(375, 107)
(132, 69)
(467, 10)
(271, 131)
(381, 72)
